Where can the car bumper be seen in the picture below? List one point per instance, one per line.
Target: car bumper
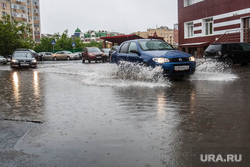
(23, 65)
(177, 69)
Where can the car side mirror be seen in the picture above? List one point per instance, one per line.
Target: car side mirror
(134, 51)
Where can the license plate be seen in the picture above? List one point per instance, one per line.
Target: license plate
(24, 64)
(181, 68)
(98, 57)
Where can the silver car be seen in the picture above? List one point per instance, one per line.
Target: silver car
(3, 60)
(45, 55)
(64, 55)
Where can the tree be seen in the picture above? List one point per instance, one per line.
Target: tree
(14, 34)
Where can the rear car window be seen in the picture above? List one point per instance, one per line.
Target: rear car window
(235, 47)
(245, 46)
(214, 48)
(124, 48)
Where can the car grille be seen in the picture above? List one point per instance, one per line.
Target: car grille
(25, 61)
(183, 59)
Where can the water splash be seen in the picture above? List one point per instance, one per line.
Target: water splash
(210, 70)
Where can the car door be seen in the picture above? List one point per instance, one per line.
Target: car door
(246, 48)
(133, 53)
(123, 52)
(236, 51)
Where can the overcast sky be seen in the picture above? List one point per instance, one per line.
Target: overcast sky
(125, 16)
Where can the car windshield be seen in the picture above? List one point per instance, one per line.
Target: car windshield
(93, 50)
(154, 45)
(106, 50)
(23, 55)
(214, 48)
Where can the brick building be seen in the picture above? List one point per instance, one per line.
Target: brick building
(202, 22)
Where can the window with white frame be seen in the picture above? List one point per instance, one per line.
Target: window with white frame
(208, 26)
(191, 2)
(189, 29)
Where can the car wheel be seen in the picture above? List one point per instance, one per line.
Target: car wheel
(83, 61)
(229, 62)
(68, 58)
(89, 61)
(55, 59)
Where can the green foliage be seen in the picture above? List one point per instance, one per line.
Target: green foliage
(63, 42)
(14, 34)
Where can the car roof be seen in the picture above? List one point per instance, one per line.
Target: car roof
(227, 43)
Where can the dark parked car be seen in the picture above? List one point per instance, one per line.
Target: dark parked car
(154, 53)
(112, 50)
(93, 54)
(230, 53)
(106, 52)
(23, 58)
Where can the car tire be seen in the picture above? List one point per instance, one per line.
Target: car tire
(55, 59)
(83, 61)
(89, 61)
(229, 62)
(68, 58)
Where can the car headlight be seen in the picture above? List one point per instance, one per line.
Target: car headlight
(14, 61)
(34, 61)
(191, 58)
(160, 60)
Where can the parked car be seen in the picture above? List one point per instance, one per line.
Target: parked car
(93, 54)
(64, 55)
(112, 50)
(79, 55)
(154, 53)
(230, 53)
(31, 51)
(23, 58)
(106, 52)
(45, 56)
(3, 60)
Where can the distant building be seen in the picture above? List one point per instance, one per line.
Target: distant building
(96, 35)
(203, 22)
(27, 11)
(163, 31)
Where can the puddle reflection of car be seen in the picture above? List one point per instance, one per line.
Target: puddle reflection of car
(64, 55)
(23, 59)
(154, 53)
(3, 60)
(93, 54)
(229, 53)
(45, 56)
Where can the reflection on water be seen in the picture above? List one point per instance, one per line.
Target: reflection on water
(36, 84)
(16, 86)
(21, 95)
(161, 105)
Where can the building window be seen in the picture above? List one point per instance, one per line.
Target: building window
(4, 5)
(191, 2)
(208, 23)
(4, 13)
(189, 29)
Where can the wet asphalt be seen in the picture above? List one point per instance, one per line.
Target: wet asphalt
(66, 113)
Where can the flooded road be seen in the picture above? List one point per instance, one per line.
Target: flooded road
(66, 113)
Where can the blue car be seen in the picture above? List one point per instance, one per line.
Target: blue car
(154, 52)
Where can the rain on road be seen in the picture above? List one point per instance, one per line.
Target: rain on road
(66, 113)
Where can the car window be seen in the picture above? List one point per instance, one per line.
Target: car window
(124, 48)
(212, 48)
(235, 47)
(154, 45)
(246, 47)
(48, 53)
(132, 46)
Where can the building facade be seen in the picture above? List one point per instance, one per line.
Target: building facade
(163, 31)
(203, 22)
(25, 11)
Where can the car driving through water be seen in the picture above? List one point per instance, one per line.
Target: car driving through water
(154, 52)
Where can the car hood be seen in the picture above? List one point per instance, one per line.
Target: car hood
(23, 58)
(167, 53)
(97, 53)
